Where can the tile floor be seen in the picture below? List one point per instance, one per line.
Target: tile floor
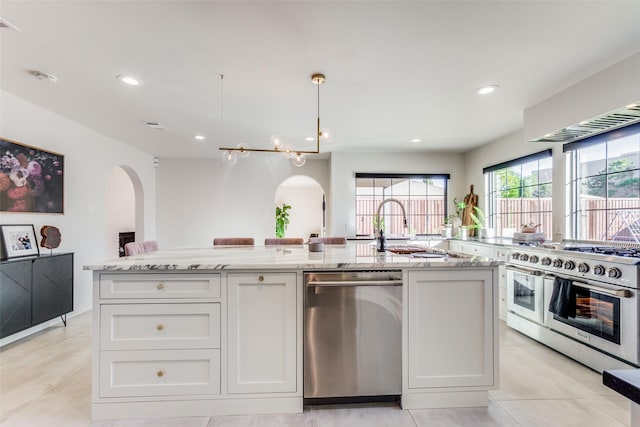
(45, 380)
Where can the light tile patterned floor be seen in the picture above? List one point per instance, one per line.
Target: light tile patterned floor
(45, 380)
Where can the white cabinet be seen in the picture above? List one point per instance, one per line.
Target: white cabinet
(497, 252)
(502, 254)
(471, 248)
(149, 285)
(159, 373)
(451, 330)
(159, 326)
(262, 332)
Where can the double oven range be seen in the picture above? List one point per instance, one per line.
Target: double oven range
(580, 300)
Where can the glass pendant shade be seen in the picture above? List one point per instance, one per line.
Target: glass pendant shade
(325, 136)
(298, 160)
(276, 141)
(229, 158)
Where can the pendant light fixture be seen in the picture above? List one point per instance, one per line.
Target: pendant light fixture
(297, 157)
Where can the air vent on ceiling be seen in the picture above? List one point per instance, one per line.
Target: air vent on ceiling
(43, 76)
(155, 125)
(603, 123)
(4, 24)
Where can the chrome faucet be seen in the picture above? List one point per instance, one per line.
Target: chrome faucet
(381, 240)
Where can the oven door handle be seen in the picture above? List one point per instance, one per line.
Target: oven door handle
(524, 270)
(622, 293)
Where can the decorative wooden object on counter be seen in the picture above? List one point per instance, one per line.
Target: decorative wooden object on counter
(470, 202)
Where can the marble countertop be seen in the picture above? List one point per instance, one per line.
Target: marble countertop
(624, 381)
(352, 255)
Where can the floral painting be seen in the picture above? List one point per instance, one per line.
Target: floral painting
(31, 179)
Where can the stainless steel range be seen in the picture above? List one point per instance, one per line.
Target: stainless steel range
(580, 300)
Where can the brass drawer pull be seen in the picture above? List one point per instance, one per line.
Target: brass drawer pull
(160, 374)
(160, 286)
(260, 278)
(160, 327)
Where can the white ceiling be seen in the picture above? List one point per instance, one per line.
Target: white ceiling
(395, 70)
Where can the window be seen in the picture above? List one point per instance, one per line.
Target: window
(604, 184)
(423, 197)
(519, 192)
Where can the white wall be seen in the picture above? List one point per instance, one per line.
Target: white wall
(342, 206)
(89, 159)
(199, 199)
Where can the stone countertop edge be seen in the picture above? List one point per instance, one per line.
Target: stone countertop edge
(624, 381)
(350, 256)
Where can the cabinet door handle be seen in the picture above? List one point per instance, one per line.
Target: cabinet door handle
(160, 327)
(160, 286)
(160, 373)
(260, 278)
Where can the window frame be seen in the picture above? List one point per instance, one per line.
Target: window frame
(491, 196)
(410, 215)
(575, 177)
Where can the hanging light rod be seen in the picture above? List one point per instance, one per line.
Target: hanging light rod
(230, 155)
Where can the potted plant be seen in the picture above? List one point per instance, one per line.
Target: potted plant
(282, 219)
(480, 223)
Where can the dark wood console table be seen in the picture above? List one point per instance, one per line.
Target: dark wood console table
(34, 290)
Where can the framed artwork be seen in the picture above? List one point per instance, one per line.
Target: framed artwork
(31, 179)
(19, 240)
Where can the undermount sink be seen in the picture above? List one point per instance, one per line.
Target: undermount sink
(415, 251)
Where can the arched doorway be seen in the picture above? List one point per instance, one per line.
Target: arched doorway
(305, 195)
(124, 208)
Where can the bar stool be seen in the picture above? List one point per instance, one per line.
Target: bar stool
(279, 241)
(233, 241)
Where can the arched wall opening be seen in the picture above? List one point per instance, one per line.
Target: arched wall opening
(305, 196)
(124, 208)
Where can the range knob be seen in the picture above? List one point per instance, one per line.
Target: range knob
(614, 273)
(533, 259)
(524, 257)
(546, 261)
(515, 255)
(583, 268)
(569, 265)
(557, 263)
(598, 270)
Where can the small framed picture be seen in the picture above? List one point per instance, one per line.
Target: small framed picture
(18, 241)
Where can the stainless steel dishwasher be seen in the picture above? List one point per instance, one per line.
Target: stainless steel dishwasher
(352, 335)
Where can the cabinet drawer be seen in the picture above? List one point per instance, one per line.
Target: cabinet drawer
(159, 286)
(157, 326)
(478, 250)
(502, 254)
(159, 373)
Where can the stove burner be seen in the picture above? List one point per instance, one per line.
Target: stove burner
(607, 250)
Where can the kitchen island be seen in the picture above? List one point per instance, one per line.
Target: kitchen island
(215, 331)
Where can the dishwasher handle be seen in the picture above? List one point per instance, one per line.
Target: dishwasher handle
(351, 283)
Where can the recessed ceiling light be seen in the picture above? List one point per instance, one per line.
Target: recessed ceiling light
(309, 138)
(200, 137)
(131, 81)
(416, 140)
(487, 89)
